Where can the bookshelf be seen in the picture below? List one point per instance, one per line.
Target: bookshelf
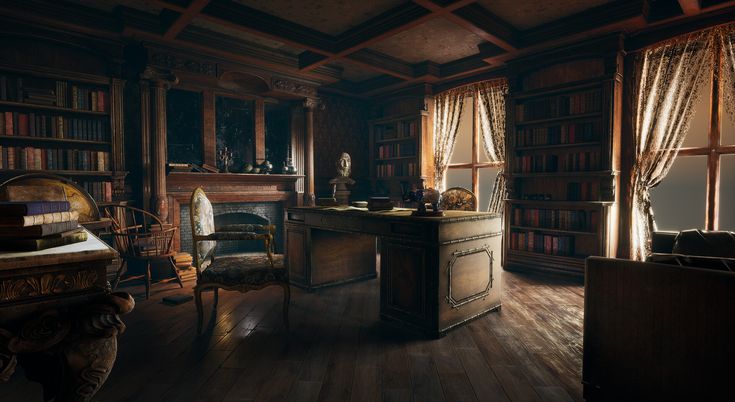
(55, 122)
(398, 160)
(563, 157)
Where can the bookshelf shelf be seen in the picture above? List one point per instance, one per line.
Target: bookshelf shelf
(564, 154)
(396, 158)
(394, 140)
(54, 140)
(63, 110)
(79, 173)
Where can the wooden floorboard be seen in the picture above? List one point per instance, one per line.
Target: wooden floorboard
(338, 349)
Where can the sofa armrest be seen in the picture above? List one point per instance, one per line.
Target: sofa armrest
(663, 241)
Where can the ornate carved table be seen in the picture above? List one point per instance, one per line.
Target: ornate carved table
(58, 319)
(436, 273)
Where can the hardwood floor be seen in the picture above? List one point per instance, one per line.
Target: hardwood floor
(338, 349)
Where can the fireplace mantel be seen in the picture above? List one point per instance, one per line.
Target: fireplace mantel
(229, 188)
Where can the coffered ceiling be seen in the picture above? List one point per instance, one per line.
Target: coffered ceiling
(365, 47)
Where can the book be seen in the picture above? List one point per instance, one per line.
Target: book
(176, 299)
(38, 230)
(21, 208)
(32, 220)
(60, 239)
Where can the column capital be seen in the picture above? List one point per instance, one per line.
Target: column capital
(310, 104)
(159, 78)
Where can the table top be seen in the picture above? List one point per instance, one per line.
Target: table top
(398, 213)
(91, 249)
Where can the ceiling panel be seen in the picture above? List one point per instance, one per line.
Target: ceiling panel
(438, 40)
(109, 5)
(528, 14)
(247, 37)
(353, 72)
(328, 16)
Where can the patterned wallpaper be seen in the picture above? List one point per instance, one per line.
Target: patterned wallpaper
(340, 125)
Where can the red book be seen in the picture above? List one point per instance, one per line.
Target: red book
(101, 101)
(9, 123)
(108, 191)
(23, 128)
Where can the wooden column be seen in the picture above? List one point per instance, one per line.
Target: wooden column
(145, 143)
(297, 147)
(259, 130)
(209, 137)
(309, 197)
(118, 138)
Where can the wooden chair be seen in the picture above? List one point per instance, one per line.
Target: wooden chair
(144, 242)
(458, 198)
(241, 272)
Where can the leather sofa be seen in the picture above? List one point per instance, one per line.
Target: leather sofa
(663, 329)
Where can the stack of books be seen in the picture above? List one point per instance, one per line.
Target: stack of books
(38, 225)
(379, 204)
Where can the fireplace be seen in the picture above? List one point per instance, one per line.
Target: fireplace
(238, 212)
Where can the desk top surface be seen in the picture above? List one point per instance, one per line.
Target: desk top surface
(91, 249)
(397, 213)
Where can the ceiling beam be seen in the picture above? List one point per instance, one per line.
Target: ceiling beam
(184, 18)
(486, 25)
(690, 7)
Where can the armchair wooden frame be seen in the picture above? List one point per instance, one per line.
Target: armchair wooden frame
(230, 233)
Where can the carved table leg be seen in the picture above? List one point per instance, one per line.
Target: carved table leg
(70, 353)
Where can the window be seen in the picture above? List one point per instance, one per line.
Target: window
(699, 190)
(184, 126)
(235, 129)
(469, 166)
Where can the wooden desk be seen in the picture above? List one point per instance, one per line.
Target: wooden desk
(436, 273)
(58, 318)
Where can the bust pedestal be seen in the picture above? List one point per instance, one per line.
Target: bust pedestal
(341, 193)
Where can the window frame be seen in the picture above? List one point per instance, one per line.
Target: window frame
(475, 164)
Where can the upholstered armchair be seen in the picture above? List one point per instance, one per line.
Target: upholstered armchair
(240, 272)
(458, 198)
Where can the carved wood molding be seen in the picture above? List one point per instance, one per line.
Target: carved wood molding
(293, 87)
(457, 255)
(159, 77)
(47, 284)
(174, 62)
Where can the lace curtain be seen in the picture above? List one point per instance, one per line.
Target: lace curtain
(666, 78)
(491, 105)
(447, 109)
(726, 35)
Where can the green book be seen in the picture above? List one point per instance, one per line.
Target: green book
(60, 239)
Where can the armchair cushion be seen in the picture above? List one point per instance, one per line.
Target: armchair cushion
(245, 269)
(202, 222)
(712, 244)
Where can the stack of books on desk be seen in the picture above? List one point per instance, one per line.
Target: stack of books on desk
(38, 225)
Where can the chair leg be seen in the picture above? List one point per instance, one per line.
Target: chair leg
(148, 280)
(216, 298)
(176, 272)
(200, 309)
(286, 303)
(116, 282)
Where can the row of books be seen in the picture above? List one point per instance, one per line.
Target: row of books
(583, 191)
(397, 150)
(569, 162)
(406, 129)
(37, 225)
(49, 92)
(101, 191)
(558, 106)
(556, 219)
(48, 126)
(31, 158)
(399, 168)
(542, 243)
(559, 134)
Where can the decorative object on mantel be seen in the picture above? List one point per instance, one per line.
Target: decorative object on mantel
(266, 167)
(248, 168)
(225, 157)
(288, 166)
(422, 197)
(209, 168)
(339, 183)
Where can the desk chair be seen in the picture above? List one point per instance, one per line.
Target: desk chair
(240, 272)
(458, 198)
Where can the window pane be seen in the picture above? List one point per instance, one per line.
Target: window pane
(727, 192)
(728, 128)
(184, 126)
(235, 130)
(459, 178)
(679, 201)
(277, 135)
(463, 147)
(699, 128)
(486, 180)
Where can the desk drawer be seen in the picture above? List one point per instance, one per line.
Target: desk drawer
(348, 223)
